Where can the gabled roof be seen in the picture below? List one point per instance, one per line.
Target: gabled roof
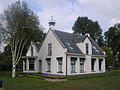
(38, 45)
(69, 41)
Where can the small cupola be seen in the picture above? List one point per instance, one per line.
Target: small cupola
(52, 23)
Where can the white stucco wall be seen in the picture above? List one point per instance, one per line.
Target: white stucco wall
(35, 53)
(57, 51)
(87, 65)
(27, 67)
(82, 46)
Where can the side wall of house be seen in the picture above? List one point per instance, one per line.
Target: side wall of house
(34, 50)
(87, 62)
(87, 65)
(57, 51)
(35, 53)
(82, 46)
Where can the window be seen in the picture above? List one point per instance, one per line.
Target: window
(100, 64)
(73, 62)
(31, 64)
(87, 48)
(59, 64)
(82, 64)
(68, 45)
(25, 63)
(95, 49)
(31, 51)
(49, 49)
(93, 64)
(48, 64)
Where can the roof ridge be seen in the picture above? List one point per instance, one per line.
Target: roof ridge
(70, 33)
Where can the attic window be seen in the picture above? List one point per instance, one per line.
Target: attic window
(87, 48)
(31, 50)
(49, 49)
(95, 49)
(68, 45)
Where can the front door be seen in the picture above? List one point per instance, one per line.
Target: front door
(40, 66)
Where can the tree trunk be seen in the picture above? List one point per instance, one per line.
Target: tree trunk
(13, 71)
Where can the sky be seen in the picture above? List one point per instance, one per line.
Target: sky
(65, 12)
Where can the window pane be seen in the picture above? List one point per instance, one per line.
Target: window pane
(93, 64)
(59, 64)
(87, 48)
(100, 64)
(73, 62)
(25, 68)
(31, 51)
(82, 64)
(31, 64)
(50, 49)
(48, 64)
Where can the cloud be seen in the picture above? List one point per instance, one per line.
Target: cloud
(114, 21)
(65, 12)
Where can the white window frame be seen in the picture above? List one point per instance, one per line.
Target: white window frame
(93, 67)
(82, 65)
(73, 64)
(100, 64)
(60, 62)
(31, 62)
(87, 48)
(48, 64)
(49, 49)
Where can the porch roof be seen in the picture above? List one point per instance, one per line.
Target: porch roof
(29, 57)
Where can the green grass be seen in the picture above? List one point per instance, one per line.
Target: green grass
(107, 81)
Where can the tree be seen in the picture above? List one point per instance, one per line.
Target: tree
(5, 59)
(83, 25)
(110, 58)
(112, 40)
(18, 27)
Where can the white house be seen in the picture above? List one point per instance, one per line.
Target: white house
(63, 53)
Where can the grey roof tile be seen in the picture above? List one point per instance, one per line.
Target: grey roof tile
(69, 41)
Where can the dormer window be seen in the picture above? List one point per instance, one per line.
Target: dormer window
(49, 49)
(87, 48)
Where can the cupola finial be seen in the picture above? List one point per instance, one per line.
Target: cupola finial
(52, 23)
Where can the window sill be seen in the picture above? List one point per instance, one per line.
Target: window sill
(100, 70)
(31, 70)
(82, 71)
(48, 71)
(59, 72)
(73, 72)
(93, 71)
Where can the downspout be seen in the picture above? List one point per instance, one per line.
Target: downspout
(66, 65)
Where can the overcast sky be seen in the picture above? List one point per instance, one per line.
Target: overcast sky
(65, 12)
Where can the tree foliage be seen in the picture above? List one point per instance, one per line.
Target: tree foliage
(110, 58)
(5, 59)
(112, 39)
(84, 25)
(19, 26)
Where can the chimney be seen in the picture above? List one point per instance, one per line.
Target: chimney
(52, 23)
(87, 34)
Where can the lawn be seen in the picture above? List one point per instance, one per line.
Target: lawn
(107, 81)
